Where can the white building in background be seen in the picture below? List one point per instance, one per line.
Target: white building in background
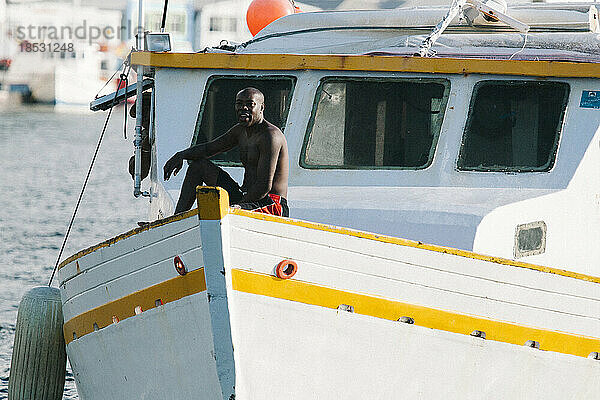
(2, 18)
(226, 20)
(6, 47)
(223, 20)
(64, 52)
(179, 23)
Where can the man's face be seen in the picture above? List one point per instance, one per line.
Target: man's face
(248, 108)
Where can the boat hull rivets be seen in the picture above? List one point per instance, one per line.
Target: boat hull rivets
(406, 320)
(594, 355)
(479, 334)
(346, 307)
(533, 344)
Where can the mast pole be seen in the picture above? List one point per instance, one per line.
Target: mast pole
(139, 104)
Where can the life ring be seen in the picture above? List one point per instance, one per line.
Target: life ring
(286, 269)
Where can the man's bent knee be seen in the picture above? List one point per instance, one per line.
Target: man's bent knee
(204, 170)
(198, 167)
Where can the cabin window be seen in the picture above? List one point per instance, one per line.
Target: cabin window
(375, 123)
(217, 112)
(513, 126)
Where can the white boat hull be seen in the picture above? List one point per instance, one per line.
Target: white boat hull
(230, 329)
(149, 357)
(318, 353)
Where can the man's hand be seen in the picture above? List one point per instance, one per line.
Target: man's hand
(173, 165)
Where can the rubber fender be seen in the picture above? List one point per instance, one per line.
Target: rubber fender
(38, 364)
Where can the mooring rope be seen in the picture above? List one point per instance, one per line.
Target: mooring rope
(122, 77)
(125, 62)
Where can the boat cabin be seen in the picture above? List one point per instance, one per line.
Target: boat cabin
(492, 145)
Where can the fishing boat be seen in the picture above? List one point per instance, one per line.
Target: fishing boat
(445, 215)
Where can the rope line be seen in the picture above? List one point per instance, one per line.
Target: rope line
(125, 62)
(128, 69)
(522, 48)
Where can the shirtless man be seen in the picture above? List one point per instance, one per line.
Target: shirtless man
(263, 152)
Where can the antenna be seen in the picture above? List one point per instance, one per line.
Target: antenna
(164, 17)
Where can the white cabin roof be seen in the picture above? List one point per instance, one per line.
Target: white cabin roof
(546, 16)
(558, 32)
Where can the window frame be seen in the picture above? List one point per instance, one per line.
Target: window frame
(213, 78)
(443, 108)
(549, 165)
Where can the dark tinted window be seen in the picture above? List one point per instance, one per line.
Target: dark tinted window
(370, 123)
(217, 113)
(513, 126)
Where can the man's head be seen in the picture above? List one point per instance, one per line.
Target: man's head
(249, 106)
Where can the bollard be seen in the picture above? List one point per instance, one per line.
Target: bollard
(38, 365)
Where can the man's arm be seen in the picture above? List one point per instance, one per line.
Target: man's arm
(269, 148)
(221, 144)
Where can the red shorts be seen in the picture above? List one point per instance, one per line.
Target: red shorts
(270, 204)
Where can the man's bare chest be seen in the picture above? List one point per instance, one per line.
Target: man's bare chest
(249, 151)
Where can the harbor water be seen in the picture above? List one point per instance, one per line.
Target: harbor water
(44, 158)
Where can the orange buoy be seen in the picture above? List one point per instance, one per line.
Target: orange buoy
(262, 12)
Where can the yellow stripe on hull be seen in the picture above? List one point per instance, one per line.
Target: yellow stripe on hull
(171, 290)
(308, 293)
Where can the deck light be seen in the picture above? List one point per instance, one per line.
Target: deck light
(157, 42)
(494, 11)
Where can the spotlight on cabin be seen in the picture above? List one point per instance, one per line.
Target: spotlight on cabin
(491, 11)
(494, 5)
(157, 42)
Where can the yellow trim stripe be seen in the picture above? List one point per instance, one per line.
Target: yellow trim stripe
(126, 235)
(411, 243)
(171, 290)
(308, 293)
(290, 62)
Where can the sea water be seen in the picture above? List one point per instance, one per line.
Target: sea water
(44, 158)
